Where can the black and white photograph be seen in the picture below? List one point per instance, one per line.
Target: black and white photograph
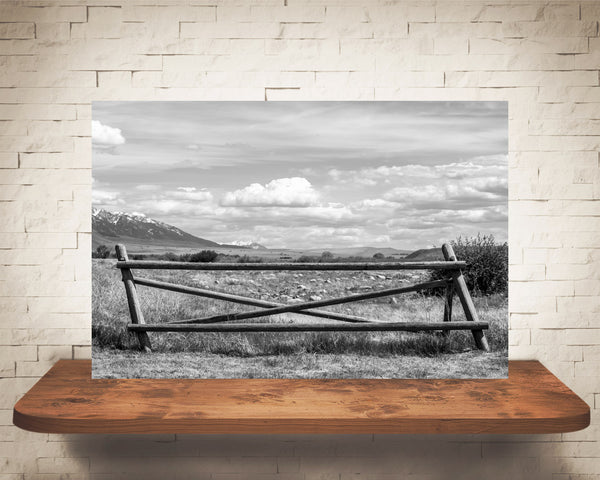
(300, 239)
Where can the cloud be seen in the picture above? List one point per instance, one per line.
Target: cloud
(104, 136)
(148, 187)
(382, 174)
(305, 133)
(273, 216)
(167, 206)
(481, 166)
(281, 192)
(191, 193)
(476, 182)
(178, 204)
(372, 203)
(182, 201)
(105, 197)
(471, 193)
(232, 170)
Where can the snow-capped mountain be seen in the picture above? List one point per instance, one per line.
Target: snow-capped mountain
(112, 227)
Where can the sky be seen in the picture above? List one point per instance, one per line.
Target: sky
(301, 175)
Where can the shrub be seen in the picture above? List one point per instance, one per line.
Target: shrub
(102, 251)
(205, 256)
(170, 257)
(326, 256)
(487, 264)
(379, 256)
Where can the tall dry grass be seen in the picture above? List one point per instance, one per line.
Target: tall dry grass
(110, 314)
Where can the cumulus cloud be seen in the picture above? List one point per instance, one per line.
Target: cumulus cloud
(176, 204)
(474, 194)
(281, 192)
(476, 182)
(398, 174)
(105, 197)
(174, 211)
(104, 136)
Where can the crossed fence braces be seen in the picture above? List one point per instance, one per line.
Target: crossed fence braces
(453, 283)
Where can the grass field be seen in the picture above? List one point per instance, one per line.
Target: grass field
(292, 355)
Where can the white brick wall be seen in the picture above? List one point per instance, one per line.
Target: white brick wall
(57, 56)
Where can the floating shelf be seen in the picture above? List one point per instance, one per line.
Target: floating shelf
(532, 400)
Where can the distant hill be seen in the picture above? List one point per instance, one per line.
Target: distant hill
(425, 254)
(361, 251)
(109, 228)
(142, 234)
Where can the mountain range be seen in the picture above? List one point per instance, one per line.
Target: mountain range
(142, 234)
(109, 228)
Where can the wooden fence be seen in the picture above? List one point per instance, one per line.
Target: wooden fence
(453, 282)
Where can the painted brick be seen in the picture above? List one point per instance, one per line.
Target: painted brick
(546, 29)
(526, 79)
(54, 353)
(53, 31)
(48, 14)
(441, 30)
(415, 12)
(17, 30)
(37, 112)
(160, 14)
(447, 12)
(540, 45)
(82, 352)
(450, 46)
(519, 337)
(9, 160)
(329, 30)
(55, 59)
(230, 30)
(289, 14)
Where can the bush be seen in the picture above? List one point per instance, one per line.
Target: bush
(205, 256)
(487, 264)
(101, 252)
(170, 257)
(326, 256)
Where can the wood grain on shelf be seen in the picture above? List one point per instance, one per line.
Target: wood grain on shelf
(531, 400)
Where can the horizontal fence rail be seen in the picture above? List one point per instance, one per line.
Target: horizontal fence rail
(453, 283)
(376, 266)
(309, 327)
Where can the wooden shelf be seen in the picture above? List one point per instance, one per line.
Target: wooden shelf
(532, 400)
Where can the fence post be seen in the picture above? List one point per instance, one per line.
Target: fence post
(449, 296)
(135, 309)
(465, 298)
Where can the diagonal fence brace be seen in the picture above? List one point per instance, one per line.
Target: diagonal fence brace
(244, 301)
(314, 304)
